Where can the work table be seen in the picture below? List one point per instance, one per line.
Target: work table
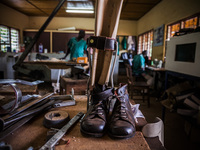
(58, 64)
(34, 134)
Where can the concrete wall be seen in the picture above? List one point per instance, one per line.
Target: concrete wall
(166, 12)
(12, 18)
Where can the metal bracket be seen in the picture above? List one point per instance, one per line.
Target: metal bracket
(101, 42)
(66, 100)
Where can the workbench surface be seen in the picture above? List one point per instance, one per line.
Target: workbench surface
(34, 134)
(60, 64)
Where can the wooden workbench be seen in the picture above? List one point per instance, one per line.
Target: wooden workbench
(59, 64)
(34, 134)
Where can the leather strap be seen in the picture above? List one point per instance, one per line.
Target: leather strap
(101, 42)
(102, 95)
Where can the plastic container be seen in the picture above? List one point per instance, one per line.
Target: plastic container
(40, 48)
(45, 50)
(82, 60)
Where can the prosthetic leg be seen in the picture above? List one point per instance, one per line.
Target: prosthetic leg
(95, 122)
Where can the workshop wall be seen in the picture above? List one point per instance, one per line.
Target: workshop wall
(126, 27)
(12, 18)
(62, 22)
(166, 12)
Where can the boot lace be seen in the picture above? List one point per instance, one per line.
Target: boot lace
(98, 110)
(120, 112)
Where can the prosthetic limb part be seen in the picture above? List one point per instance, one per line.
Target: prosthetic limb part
(154, 129)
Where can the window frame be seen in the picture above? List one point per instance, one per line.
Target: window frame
(181, 22)
(9, 44)
(149, 43)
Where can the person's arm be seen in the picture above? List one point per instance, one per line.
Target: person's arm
(142, 62)
(85, 49)
(68, 51)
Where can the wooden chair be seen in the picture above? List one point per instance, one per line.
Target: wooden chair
(140, 86)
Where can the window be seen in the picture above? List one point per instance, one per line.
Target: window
(145, 41)
(172, 29)
(189, 22)
(9, 39)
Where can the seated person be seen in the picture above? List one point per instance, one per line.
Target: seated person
(139, 67)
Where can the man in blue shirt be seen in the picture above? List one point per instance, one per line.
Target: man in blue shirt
(139, 63)
(77, 46)
(139, 67)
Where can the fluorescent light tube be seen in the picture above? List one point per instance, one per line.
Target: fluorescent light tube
(80, 11)
(68, 28)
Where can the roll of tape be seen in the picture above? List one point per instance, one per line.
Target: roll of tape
(56, 119)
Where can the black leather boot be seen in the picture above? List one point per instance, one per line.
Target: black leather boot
(95, 120)
(122, 123)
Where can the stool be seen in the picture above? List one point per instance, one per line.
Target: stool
(79, 86)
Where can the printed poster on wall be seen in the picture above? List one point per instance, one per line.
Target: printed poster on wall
(158, 36)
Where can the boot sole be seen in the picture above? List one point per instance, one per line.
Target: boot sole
(89, 134)
(121, 136)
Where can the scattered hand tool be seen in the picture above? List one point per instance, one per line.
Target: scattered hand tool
(6, 122)
(18, 94)
(65, 100)
(23, 114)
(25, 107)
(10, 125)
(52, 142)
(25, 98)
